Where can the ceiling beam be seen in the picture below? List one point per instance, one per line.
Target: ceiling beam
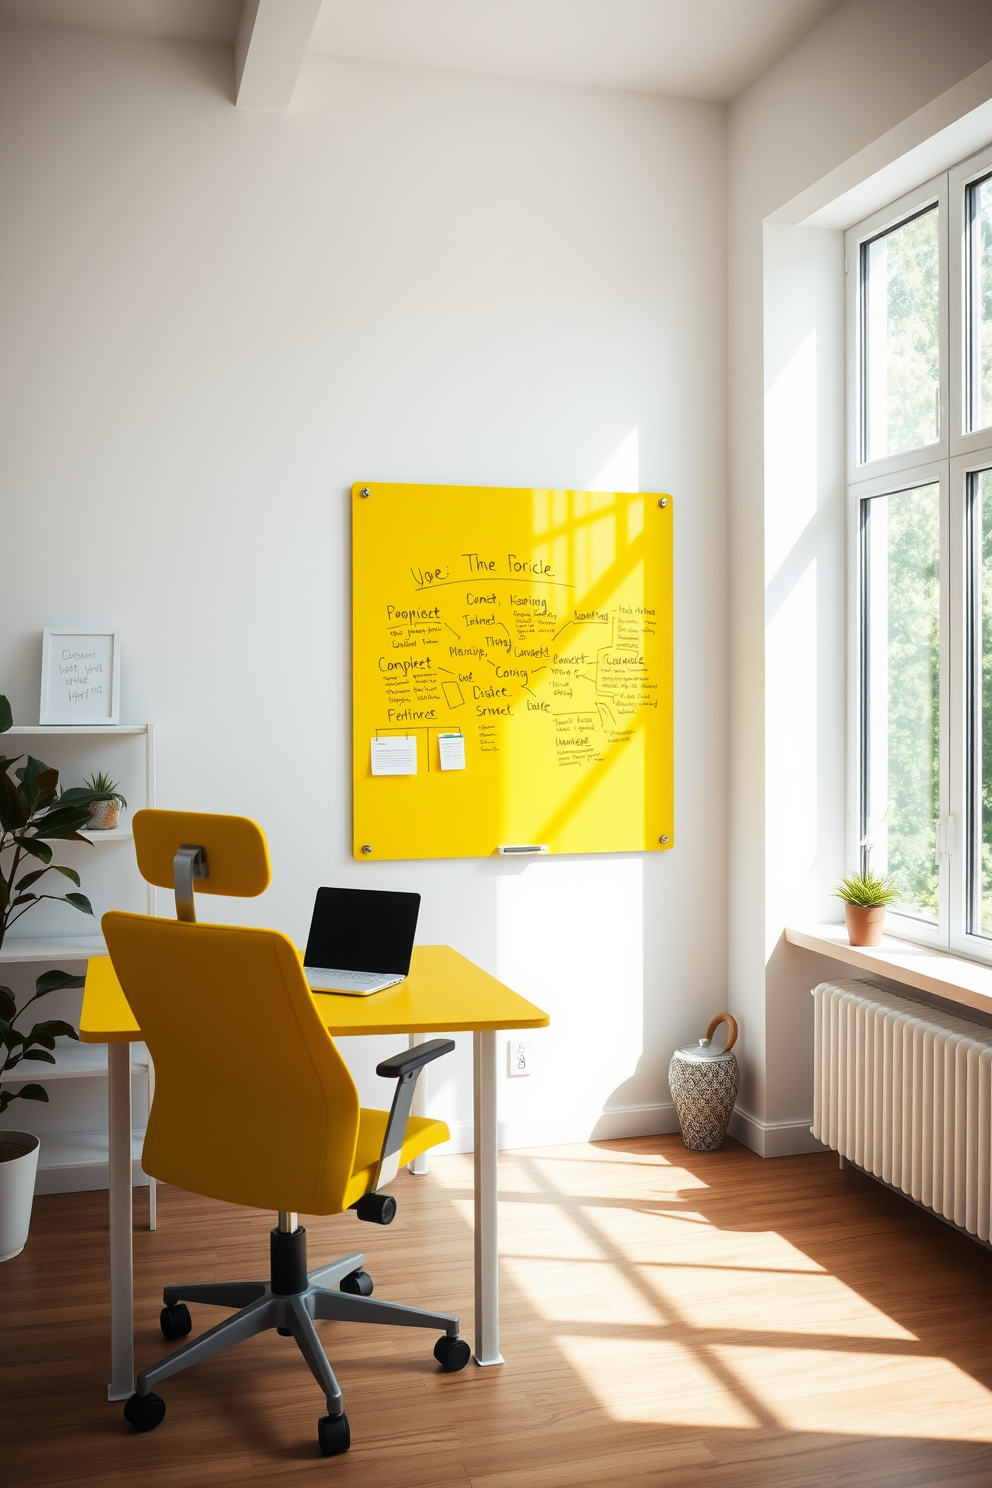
(269, 50)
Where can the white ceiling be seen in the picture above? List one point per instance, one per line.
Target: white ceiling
(686, 48)
(175, 20)
(708, 49)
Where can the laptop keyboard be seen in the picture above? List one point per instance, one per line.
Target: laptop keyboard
(322, 977)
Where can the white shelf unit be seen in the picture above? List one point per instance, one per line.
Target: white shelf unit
(75, 1155)
(74, 1062)
(76, 1160)
(50, 730)
(60, 948)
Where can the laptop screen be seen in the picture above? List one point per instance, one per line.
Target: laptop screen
(363, 930)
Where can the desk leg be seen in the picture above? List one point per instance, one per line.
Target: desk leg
(486, 1199)
(121, 1262)
(419, 1164)
(152, 1184)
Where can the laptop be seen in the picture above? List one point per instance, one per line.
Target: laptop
(361, 940)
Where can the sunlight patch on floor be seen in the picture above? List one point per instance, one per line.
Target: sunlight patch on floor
(684, 1237)
(525, 1228)
(867, 1394)
(776, 1302)
(654, 1381)
(640, 1178)
(670, 1319)
(580, 1292)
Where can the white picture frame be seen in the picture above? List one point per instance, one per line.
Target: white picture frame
(80, 677)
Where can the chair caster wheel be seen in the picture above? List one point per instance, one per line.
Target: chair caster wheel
(452, 1354)
(175, 1321)
(145, 1412)
(358, 1284)
(334, 1435)
(285, 1332)
(376, 1208)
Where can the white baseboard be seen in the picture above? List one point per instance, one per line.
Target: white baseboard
(81, 1177)
(636, 1121)
(766, 1138)
(612, 1125)
(773, 1138)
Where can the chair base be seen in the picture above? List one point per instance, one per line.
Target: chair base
(261, 1308)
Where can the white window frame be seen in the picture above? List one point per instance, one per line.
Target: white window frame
(960, 940)
(959, 179)
(914, 202)
(934, 472)
(949, 462)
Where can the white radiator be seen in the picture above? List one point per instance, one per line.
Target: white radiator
(905, 1091)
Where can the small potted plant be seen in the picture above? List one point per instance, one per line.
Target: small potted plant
(865, 897)
(105, 802)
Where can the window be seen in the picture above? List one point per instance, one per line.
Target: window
(900, 342)
(901, 627)
(920, 498)
(978, 316)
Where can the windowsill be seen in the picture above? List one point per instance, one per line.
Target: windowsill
(923, 967)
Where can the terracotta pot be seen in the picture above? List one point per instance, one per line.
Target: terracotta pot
(104, 816)
(865, 923)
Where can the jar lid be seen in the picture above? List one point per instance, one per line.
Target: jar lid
(706, 1053)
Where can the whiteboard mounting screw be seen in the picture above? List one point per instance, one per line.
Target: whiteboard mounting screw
(365, 493)
(663, 839)
(366, 849)
(663, 501)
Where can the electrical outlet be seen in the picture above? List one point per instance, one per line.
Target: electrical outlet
(517, 1058)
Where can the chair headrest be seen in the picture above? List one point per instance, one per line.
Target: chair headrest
(236, 851)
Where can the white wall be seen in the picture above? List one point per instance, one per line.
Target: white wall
(857, 76)
(212, 322)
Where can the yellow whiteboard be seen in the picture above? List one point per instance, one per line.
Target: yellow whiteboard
(536, 624)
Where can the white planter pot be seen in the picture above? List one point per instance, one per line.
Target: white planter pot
(17, 1194)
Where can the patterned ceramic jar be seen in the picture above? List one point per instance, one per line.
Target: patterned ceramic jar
(704, 1083)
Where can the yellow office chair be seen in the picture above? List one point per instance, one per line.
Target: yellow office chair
(254, 1104)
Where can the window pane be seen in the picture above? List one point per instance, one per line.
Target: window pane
(901, 368)
(980, 689)
(980, 304)
(901, 651)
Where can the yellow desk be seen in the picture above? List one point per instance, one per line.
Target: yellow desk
(444, 993)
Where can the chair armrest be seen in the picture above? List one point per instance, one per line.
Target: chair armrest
(404, 1068)
(411, 1061)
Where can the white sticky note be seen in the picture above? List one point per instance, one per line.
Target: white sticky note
(452, 750)
(395, 755)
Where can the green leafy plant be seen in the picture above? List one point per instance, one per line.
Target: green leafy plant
(33, 813)
(39, 1043)
(867, 889)
(98, 787)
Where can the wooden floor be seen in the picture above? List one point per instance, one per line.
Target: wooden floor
(668, 1318)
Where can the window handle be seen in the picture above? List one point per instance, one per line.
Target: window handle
(943, 839)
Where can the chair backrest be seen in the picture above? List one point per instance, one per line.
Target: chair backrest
(235, 847)
(253, 1103)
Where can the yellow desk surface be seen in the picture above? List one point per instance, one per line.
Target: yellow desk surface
(444, 993)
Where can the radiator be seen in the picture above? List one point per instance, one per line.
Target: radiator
(905, 1092)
